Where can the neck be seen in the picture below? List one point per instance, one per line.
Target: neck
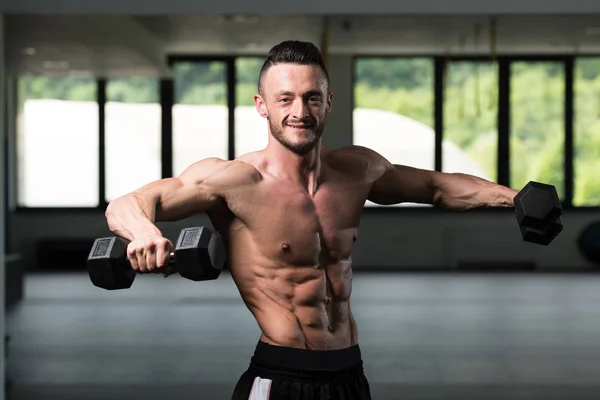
(303, 169)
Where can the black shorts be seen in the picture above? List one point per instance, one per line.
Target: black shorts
(284, 373)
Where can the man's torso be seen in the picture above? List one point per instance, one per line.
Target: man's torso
(289, 250)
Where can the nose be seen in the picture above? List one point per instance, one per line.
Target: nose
(300, 109)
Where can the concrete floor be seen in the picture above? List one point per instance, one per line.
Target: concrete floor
(423, 336)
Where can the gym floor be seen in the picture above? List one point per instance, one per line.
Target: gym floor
(423, 336)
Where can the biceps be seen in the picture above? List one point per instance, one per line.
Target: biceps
(401, 184)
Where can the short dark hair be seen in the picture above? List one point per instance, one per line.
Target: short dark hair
(294, 52)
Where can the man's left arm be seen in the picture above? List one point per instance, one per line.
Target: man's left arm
(456, 191)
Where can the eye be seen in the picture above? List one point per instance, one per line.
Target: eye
(315, 99)
(284, 100)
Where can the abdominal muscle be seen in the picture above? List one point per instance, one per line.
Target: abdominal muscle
(304, 307)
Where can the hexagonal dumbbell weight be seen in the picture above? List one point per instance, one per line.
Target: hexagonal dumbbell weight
(199, 256)
(589, 242)
(538, 211)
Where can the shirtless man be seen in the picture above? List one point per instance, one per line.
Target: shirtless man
(289, 215)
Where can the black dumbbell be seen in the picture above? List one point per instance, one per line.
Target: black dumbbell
(589, 242)
(538, 211)
(199, 256)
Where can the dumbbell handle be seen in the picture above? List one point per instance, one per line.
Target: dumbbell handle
(170, 262)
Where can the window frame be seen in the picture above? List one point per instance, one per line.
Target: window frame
(166, 97)
(503, 124)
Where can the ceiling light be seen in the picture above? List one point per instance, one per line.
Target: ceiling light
(239, 18)
(592, 30)
(56, 64)
(29, 51)
(245, 19)
(81, 73)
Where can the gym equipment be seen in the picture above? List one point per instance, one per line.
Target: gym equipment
(589, 242)
(199, 256)
(538, 211)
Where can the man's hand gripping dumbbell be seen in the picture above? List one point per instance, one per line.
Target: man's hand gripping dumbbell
(199, 255)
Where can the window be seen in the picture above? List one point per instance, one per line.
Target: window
(393, 109)
(200, 113)
(132, 135)
(57, 142)
(537, 124)
(470, 119)
(251, 132)
(586, 135)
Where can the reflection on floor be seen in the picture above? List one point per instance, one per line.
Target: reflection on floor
(423, 336)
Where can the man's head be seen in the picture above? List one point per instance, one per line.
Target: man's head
(294, 94)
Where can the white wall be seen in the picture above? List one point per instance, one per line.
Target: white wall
(390, 238)
(332, 7)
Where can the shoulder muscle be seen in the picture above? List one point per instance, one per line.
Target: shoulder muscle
(219, 175)
(361, 162)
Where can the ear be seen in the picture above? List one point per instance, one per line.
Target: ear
(329, 103)
(261, 106)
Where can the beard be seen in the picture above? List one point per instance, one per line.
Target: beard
(302, 146)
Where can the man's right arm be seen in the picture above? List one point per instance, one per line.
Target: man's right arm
(133, 215)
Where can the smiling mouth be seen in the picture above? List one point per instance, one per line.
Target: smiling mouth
(301, 127)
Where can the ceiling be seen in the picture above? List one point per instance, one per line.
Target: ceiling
(112, 45)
